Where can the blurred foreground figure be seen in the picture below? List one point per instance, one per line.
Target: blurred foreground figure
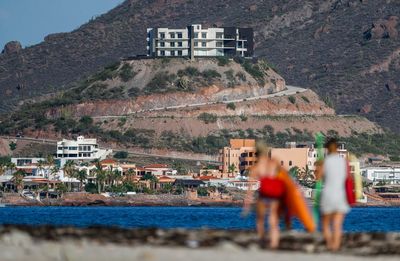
(270, 196)
(279, 194)
(334, 203)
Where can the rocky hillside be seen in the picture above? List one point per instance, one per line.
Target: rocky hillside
(346, 50)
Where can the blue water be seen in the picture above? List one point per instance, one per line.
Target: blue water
(359, 219)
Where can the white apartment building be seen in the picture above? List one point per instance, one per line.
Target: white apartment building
(81, 149)
(385, 174)
(196, 41)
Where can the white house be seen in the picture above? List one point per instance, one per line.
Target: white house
(384, 173)
(81, 149)
(196, 41)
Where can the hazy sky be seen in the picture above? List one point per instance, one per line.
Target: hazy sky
(29, 21)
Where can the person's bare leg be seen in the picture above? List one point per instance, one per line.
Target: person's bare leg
(274, 225)
(326, 230)
(260, 225)
(337, 231)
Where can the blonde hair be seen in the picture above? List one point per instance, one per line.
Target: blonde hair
(262, 149)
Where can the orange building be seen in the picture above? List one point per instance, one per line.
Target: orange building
(239, 156)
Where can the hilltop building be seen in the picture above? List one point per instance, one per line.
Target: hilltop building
(81, 149)
(196, 41)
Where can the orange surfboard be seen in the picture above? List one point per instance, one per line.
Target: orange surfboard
(296, 203)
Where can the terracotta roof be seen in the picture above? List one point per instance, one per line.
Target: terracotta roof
(156, 166)
(108, 161)
(165, 179)
(207, 178)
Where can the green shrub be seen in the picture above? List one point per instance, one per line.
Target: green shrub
(12, 145)
(189, 71)
(222, 60)
(121, 155)
(208, 117)
(231, 106)
(159, 83)
(305, 99)
(126, 72)
(107, 73)
(241, 76)
(292, 99)
(229, 75)
(210, 74)
(243, 117)
(255, 71)
(86, 120)
(91, 188)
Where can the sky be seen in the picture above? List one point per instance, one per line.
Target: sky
(29, 21)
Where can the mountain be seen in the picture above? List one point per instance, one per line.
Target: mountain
(347, 51)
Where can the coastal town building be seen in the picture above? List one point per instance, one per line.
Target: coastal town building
(382, 174)
(197, 41)
(239, 156)
(81, 149)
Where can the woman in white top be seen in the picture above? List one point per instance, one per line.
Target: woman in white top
(333, 204)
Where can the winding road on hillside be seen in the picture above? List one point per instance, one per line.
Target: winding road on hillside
(290, 90)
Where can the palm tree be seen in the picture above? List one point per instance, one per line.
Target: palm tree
(11, 166)
(54, 171)
(68, 169)
(81, 175)
(40, 165)
(117, 176)
(3, 168)
(61, 188)
(129, 174)
(18, 177)
(101, 177)
(232, 169)
(295, 172)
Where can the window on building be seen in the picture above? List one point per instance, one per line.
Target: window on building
(172, 44)
(196, 44)
(162, 53)
(179, 53)
(219, 44)
(162, 35)
(290, 163)
(162, 44)
(219, 35)
(196, 35)
(172, 53)
(203, 44)
(204, 35)
(172, 35)
(179, 44)
(179, 35)
(60, 148)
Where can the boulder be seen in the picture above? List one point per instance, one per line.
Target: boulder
(12, 47)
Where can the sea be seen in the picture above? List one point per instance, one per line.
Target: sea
(363, 219)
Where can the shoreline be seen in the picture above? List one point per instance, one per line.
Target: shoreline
(354, 244)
